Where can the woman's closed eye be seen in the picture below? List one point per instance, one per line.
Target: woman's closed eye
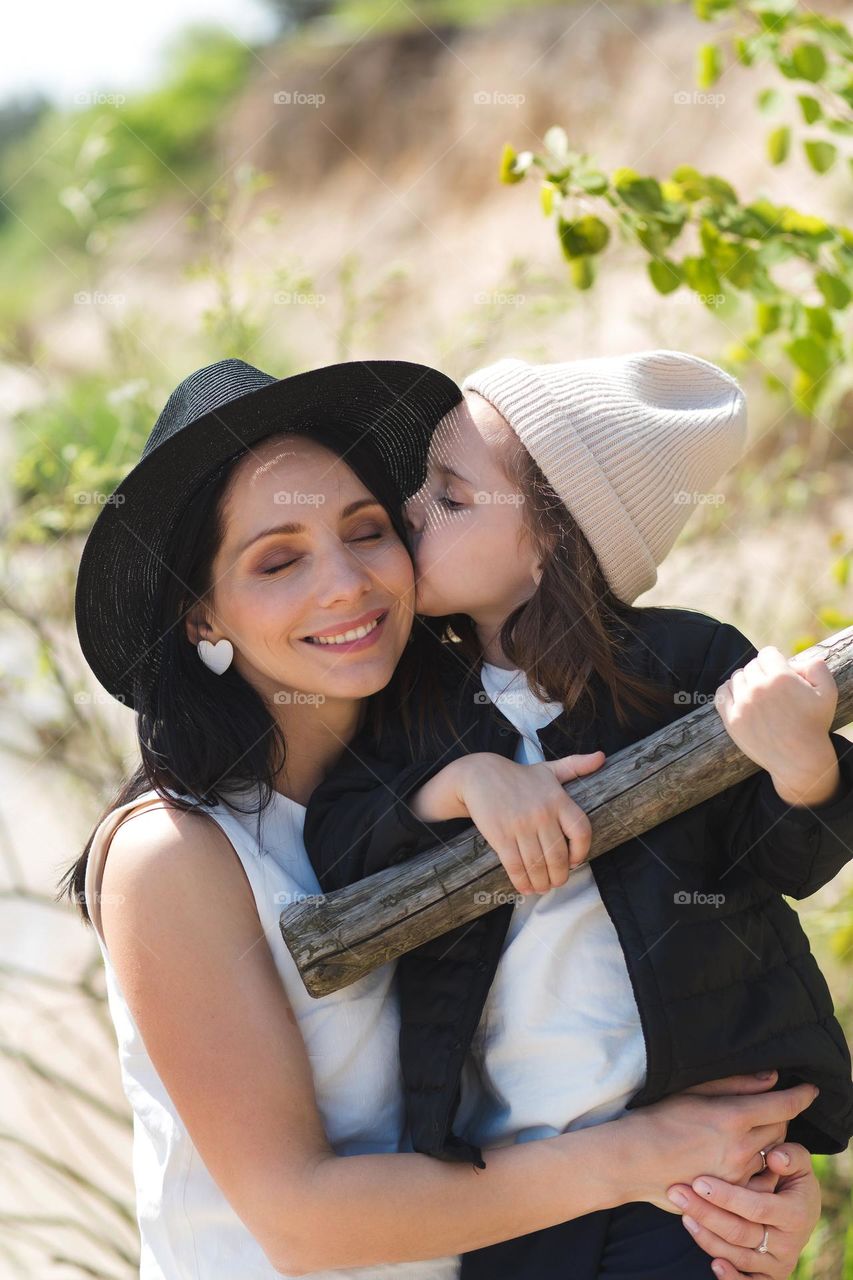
(363, 537)
(276, 567)
(449, 503)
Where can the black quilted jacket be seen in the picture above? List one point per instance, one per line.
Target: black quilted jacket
(720, 989)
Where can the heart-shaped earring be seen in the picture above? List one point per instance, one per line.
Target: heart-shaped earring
(216, 656)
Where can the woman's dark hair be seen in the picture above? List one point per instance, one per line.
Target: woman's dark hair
(200, 734)
(572, 636)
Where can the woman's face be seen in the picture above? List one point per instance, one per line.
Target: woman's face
(473, 553)
(308, 555)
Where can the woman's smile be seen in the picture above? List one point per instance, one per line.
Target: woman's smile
(351, 636)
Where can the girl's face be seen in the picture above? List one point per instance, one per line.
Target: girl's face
(473, 553)
(308, 554)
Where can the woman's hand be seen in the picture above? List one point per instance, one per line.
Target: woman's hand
(526, 816)
(719, 1126)
(728, 1222)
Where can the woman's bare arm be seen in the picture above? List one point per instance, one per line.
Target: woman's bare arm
(180, 922)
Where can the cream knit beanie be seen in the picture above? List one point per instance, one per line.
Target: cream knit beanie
(629, 443)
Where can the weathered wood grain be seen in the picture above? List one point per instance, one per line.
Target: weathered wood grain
(348, 933)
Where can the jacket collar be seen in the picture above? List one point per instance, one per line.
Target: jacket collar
(569, 733)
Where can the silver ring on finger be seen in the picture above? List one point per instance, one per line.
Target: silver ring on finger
(762, 1248)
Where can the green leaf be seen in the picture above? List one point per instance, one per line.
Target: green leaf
(819, 321)
(665, 274)
(820, 155)
(582, 272)
(642, 194)
(775, 250)
(778, 144)
(709, 65)
(701, 277)
(514, 166)
(743, 51)
(810, 107)
(833, 618)
(836, 292)
(546, 198)
(721, 190)
(650, 237)
(709, 234)
(810, 355)
(767, 317)
(730, 258)
(693, 185)
(707, 10)
(582, 237)
(765, 212)
(804, 224)
(769, 101)
(772, 22)
(742, 271)
(841, 569)
(809, 61)
(805, 391)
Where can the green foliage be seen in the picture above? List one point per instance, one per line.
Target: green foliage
(805, 48)
(385, 15)
(798, 319)
(75, 177)
(175, 123)
(72, 451)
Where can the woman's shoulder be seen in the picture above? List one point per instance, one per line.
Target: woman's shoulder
(161, 854)
(161, 828)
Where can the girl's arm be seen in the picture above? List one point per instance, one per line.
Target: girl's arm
(797, 848)
(358, 820)
(180, 922)
(521, 810)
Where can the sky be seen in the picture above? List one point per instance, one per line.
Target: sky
(66, 47)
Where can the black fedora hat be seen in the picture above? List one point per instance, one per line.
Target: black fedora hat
(390, 407)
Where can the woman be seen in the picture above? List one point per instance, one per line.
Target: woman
(235, 630)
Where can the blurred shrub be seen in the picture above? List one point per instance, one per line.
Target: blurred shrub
(75, 177)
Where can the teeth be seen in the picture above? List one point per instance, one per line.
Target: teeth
(347, 636)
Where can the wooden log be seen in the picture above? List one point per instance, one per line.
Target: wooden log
(346, 934)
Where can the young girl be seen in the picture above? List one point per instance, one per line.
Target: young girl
(550, 499)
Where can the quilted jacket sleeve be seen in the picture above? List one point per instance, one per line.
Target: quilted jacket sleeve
(358, 820)
(797, 849)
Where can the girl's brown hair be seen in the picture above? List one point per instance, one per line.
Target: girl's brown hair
(571, 637)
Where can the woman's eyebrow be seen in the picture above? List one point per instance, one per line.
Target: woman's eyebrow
(291, 527)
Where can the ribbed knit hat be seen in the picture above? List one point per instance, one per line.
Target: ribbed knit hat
(631, 444)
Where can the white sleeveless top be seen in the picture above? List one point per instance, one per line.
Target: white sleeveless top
(559, 1045)
(188, 1230)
